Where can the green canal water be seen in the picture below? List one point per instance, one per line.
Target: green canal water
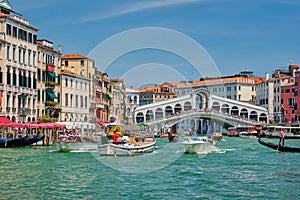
(242, 170)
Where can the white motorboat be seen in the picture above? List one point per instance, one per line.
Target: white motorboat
(127, 147)
(199, 145)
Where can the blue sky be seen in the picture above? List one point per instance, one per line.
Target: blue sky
(258, 35)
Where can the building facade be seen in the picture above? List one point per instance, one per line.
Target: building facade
(18, 66)
(118, 100)
(48, 81)
(75, 95)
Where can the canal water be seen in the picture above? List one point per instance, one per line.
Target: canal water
(243, 169)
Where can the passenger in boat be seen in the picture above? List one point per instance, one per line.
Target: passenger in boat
(115, 137)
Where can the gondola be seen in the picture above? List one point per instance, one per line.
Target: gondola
(19, 142)
(280, 147)
(173, 138)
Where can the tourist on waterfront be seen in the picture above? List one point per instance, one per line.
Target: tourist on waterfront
(115, 137)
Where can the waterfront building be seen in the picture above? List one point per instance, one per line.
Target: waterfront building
(132, 102)
(288, 103)
(241, 87)
(85, 67)
(281, 77)
(18, 65)
(118, 100)
(48, 82)
(75, 97)
(265, 95)
(155, 93)
(297, 96)
(98, 105)
(106, 97)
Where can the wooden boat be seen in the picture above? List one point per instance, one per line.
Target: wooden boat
(127, 147)
(217, 136)
(19, 142)
(247, 136)
(199, 145)
(279, 148)
(173, 138)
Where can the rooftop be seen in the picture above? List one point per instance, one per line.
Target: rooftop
(73, 56)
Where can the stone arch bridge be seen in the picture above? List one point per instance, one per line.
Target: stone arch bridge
(198, 107)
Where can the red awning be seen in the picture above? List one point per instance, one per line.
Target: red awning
(102, 123)
(4, 120)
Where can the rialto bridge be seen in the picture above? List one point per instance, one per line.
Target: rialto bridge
(200, 112)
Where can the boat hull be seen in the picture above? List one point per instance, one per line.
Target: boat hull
(19, 142)
(112, 149)
(199, 146)
(77, 146)
(279, 147)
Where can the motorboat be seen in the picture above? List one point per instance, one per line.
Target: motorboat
(217, 136)
(199, 145)
(76, 144)
(127, 146)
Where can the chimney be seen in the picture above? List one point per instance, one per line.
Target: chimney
(267, 76)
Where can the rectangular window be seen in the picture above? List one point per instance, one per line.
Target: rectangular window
(81, 101)
(82, 63)
(43, 96)
(39, 74)
(66, 82)
(14, 53)
(30, 37)
(85, 102)
(66, 99)
(71, 100)
(34, 55)
(66, 63)
(24, 55)
(39, 95)
(76, 100)
(15, 32)
(8, 52)
(29, 57)
(228, 88)
(39, 56)
(8, 29)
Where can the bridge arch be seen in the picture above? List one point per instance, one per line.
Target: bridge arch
(168, 111)
(140, 117)
(177, 108)
(215, 106)
(149, 115)
(187, 106)
(263, 118)
(234, 110)
(225, 108)
(244, 113)
(253, 115)
(159, 114)
(203, 96)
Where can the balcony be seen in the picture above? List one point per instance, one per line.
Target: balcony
(50, 103)
(23, 111)
(50, 85)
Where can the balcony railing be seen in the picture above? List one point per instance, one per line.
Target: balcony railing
(50, 103)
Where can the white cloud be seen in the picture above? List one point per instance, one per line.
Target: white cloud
(131, 8)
